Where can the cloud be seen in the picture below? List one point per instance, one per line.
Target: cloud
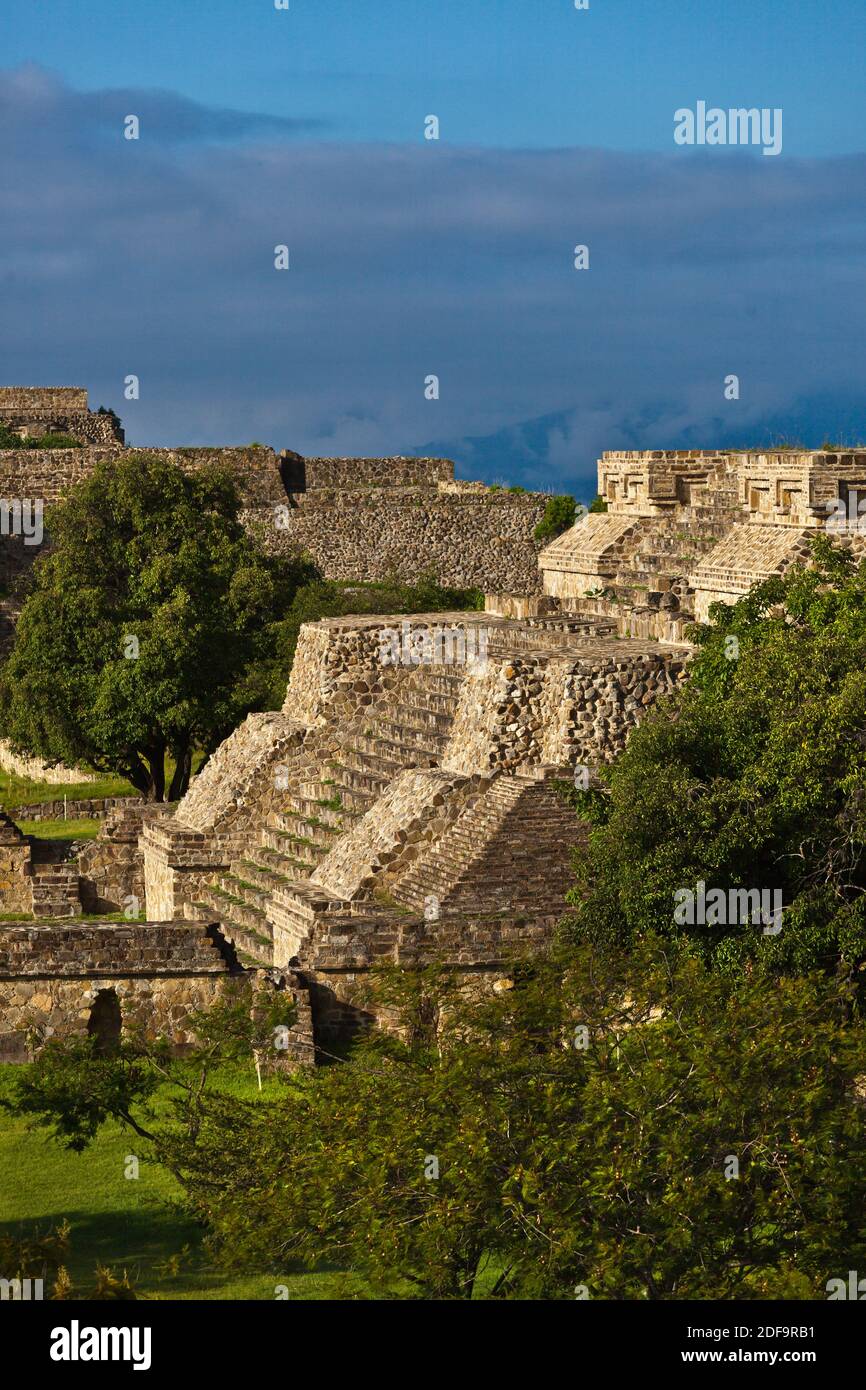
(156, 258)
(39, 101)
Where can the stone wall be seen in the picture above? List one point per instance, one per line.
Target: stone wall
(36, 410)
(412, 814)
(464, 540)
(357, 518)
(50, 977)
(48, 473)
(303, 474)
(111, 867)
(342, 664)
(532, 710)
(85, 808)
(36, 400)
(37, 770)
(372, 532)
(16, 891)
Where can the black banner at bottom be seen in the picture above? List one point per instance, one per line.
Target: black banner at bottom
(63, 1339)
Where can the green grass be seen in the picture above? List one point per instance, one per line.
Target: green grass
(134, 1225)
(61, 829)
(18, 791)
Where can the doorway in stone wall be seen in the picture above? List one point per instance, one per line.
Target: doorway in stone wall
(105, 1021)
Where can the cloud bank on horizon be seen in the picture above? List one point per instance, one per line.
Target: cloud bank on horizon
(156, 258)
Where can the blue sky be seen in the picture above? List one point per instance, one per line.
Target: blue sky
(411, 257)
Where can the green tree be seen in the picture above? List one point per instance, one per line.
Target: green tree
(751, 777)
(638, 1127)
(149, 626)
(559, 514)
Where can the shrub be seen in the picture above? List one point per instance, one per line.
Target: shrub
(559, 513)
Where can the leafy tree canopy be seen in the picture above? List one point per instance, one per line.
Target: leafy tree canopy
(753, 776)
(559, 514)
(147, 624)
(642, 1128)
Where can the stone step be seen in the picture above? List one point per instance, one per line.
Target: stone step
(430, 701)
(305, 902)
(228, 903)
(55, 890)
(315, 811)
(297, 848)
(431, 738)
(263, 879)
(238, 886)
(360, 786)
(438, 681)
(379, 755)
(404, 747)
(324, 791)
(252, 947)
(483, 873)
(309, 835)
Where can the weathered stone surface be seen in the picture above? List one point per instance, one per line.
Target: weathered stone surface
(685, 529)
(50, 976)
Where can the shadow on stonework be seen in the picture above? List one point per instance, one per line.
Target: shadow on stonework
(105, 1021)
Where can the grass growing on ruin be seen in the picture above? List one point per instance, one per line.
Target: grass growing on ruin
(61, 829)
(131, 1224)
(18, 791)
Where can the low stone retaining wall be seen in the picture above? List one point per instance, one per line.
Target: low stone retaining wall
(55, 978)
(38, 770)
(92, 808)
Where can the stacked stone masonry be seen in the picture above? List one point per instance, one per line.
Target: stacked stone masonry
(51, 976)
(406, 802)
(683, 530)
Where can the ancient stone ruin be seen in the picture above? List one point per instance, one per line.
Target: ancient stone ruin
(404, 804)
(39, 410)
(685, 529)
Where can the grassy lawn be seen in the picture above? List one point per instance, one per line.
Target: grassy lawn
(18, 791)
(85, 829)
(134, 1225)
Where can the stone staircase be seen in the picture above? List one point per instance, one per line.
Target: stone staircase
(411, 731)
(55, 890)
(503, 854)
(662, 554)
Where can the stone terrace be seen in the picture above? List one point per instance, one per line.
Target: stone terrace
(685, 529)
(403, 805)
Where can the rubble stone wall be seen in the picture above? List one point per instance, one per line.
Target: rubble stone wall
(462, 539)
(50, 977)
